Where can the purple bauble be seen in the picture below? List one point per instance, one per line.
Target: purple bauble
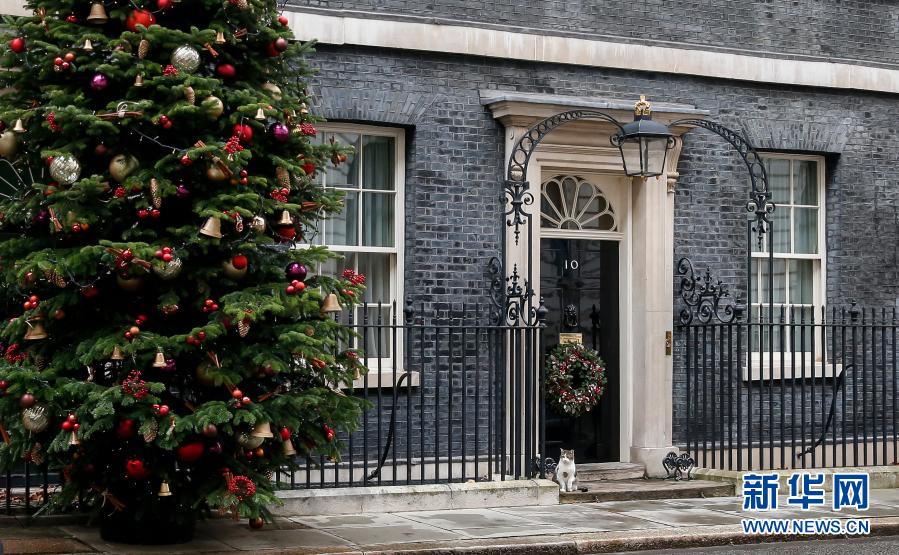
(295, 270)
(215, 448)
(169, 365)
(99, 82)
(280, 132)
(181, 191)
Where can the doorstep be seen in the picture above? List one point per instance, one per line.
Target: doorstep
(646, 489)
(379, 499)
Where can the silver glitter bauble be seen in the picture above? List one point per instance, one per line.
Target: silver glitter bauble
(65, 169)
(186, 58)
(247, 441)
(35, 419)
(168, 270)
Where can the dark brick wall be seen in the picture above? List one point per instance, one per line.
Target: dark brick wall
(454, 165)
(820, 28)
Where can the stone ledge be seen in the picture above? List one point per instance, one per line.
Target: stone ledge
(880, 477)
(380, 499)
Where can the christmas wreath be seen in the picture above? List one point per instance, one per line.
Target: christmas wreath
(575, 378)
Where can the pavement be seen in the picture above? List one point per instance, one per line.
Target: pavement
(617, 526)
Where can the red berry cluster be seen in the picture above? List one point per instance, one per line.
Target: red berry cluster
(170, 71)
(244, 177)
(119, 192)
(123, 260)
(164, 254)
(148, 212)
(63, 63)
(209, 305)
(353, 277)
(241, 487)
(296, 286)
(161, 410)
(308, 129)
(13, 355)
(51, 121)
(239, 398)
(280, 194)
(132, 332)
(136, 387)
(71, 423)
(195, 340)
(233, 145)
(31, 303)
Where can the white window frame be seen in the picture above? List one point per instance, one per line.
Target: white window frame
(760, 366)
(389, 366)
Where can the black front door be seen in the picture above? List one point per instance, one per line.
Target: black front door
(579, 284)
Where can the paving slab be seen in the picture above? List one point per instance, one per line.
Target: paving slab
(91, 537)
(412, 532)
(282, 539)
(685, 517)
(514, 531)
(466, 518)
(358, 520)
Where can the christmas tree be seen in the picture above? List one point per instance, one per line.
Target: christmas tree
(167, 345)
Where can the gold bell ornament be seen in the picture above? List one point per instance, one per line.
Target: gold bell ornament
(288, 449)
(88, 45)
(97, 15)
(73, 439)
(164, 490)
(159, 361)
(212, 228)
(331, 304)
(260, 114)
(139, 80)
(263, 430)
(220, 38)
(286, 219)
(19, 126)
(36, 329)
(117, 353)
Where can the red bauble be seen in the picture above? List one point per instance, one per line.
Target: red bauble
(226, 71)
(186, 160)
(163, 4)
(257, 523)
(309, 168)
(287, 232)
(139, 17)
(271, 50)
(285, 434)
(136, 469)
(282, 19)
(27, 401)
(17, 45)
(243, 132)
(126, 429)
(239, 261)
(280, 44)
(190, 452)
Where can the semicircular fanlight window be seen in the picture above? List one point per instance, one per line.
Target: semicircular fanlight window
(571, 202)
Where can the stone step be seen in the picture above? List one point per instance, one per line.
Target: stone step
(635, 490)
(594, 472)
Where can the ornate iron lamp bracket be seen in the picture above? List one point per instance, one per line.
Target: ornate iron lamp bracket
(702, 294)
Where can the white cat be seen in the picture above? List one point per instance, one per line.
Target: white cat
(566, 471)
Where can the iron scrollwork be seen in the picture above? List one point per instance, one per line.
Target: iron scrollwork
(759, 203)
(702, 295)
(678, 467)
(510, 296)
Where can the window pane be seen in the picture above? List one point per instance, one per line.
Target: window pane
(378, 276)
(806, 232)
(377, 219)
(334, 268)
(779, 179)
(376, 342)
(801, 281)
(805, 182)
(346, 174)
(780, 229)
(780, 281)
(377, 162)
(342, 229)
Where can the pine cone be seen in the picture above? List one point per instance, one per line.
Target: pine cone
(154, 193)
(143, 48)
(152, 429)
(243, 327)
(283, 177)
(55, 278)
(190, 94)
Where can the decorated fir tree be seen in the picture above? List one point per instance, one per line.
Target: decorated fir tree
(167, 346)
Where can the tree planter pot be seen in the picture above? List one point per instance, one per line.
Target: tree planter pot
(148, 529)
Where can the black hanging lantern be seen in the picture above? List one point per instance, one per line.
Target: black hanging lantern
(644, 144)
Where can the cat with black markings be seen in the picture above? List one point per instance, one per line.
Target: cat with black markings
(566, 471)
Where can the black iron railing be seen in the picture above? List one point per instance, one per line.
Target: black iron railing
(452, 397)
(790, 387)
(27, 488)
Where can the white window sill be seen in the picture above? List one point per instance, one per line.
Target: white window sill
(787, 371)
(387, 380)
